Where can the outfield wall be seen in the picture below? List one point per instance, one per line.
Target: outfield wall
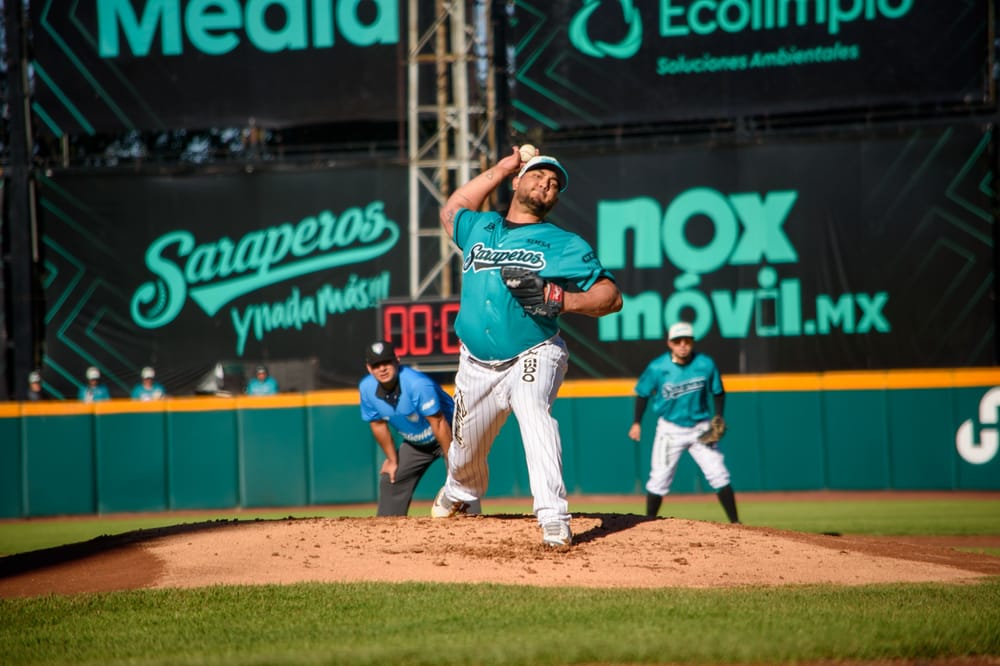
(898, 430)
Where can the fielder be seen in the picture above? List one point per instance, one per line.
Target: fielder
(520, 273)
(395, 396)
(688, 399)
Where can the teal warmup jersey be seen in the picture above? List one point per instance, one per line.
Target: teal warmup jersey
(681, 394)
(154, 392)
(491, 323)
(95, 394)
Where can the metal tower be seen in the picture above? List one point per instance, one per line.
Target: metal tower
(451, 132)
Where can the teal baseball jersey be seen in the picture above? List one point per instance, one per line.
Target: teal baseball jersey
(490, 322)
(154, 392)
(97, 393)
(681, 394)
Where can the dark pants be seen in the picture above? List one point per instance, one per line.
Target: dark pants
(414, 459)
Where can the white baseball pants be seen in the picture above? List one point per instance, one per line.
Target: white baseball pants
(484, 397)
(669, 442)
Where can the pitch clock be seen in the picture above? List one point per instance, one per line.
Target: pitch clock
(420, 330)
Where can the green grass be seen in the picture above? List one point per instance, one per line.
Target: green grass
(881, 516)
(33, 534)
(877, 516)
(492, 624)
(994, 552)
(369, 623)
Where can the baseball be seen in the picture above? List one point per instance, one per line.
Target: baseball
(527, 152)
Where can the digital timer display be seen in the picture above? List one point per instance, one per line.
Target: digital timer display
(421, 329)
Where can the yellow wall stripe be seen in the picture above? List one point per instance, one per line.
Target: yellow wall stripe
(582, 388)
(825, 381)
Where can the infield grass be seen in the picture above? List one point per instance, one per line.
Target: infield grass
(371, 623)
(363, 623)
(882, 515)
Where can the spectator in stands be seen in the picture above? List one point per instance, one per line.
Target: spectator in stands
(94, 390)
(148, 388)
(35, 390)
(262, 383)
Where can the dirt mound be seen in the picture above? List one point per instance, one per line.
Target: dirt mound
(610, 550)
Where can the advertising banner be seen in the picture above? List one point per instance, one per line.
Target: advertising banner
(805, 254)
(4, 393)
(585, 63)
(187, 273)
(115, 65)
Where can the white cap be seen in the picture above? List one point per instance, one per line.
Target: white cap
(148, 373)
(34, 376)
(93, 373)
(546, 162)
(681, 329)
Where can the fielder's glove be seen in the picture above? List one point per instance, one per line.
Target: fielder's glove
(536, 295)
(716, 429)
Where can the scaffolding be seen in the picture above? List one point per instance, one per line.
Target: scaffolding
(451, 123)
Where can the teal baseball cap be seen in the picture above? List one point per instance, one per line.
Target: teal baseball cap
(546, 162)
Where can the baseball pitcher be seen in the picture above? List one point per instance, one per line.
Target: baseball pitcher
(519, 275)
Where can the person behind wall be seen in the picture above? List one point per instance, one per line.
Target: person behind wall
(398, 398)
(94, 390)
(148, 388)
(35, 391)
(521, 272)
(687, 395)
(262, 383)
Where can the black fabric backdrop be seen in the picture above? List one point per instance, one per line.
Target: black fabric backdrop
(80, 92)
(99, 228)
(908, 216)
(848, 252)
(577, 64)
(937, 51)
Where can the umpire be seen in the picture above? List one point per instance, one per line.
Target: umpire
(397, 397)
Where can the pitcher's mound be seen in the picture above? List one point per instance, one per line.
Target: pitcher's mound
(610, 550)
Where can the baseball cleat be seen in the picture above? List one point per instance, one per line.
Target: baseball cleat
(446, 508)
(556, 534)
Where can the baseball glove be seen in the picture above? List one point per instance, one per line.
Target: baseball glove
(536, 295)
(716, 429)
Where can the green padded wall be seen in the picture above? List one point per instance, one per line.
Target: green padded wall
(59, 464)
(294, 450)
(916, 415)
(273, 456)
(855, 428)
(966, 403)
(790, 436)
(203, 468)
(131, 462)
(595, 433)
(345, 457)
(11, 473)
(742, 445)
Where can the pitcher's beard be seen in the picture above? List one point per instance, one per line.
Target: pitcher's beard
(536, 207)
